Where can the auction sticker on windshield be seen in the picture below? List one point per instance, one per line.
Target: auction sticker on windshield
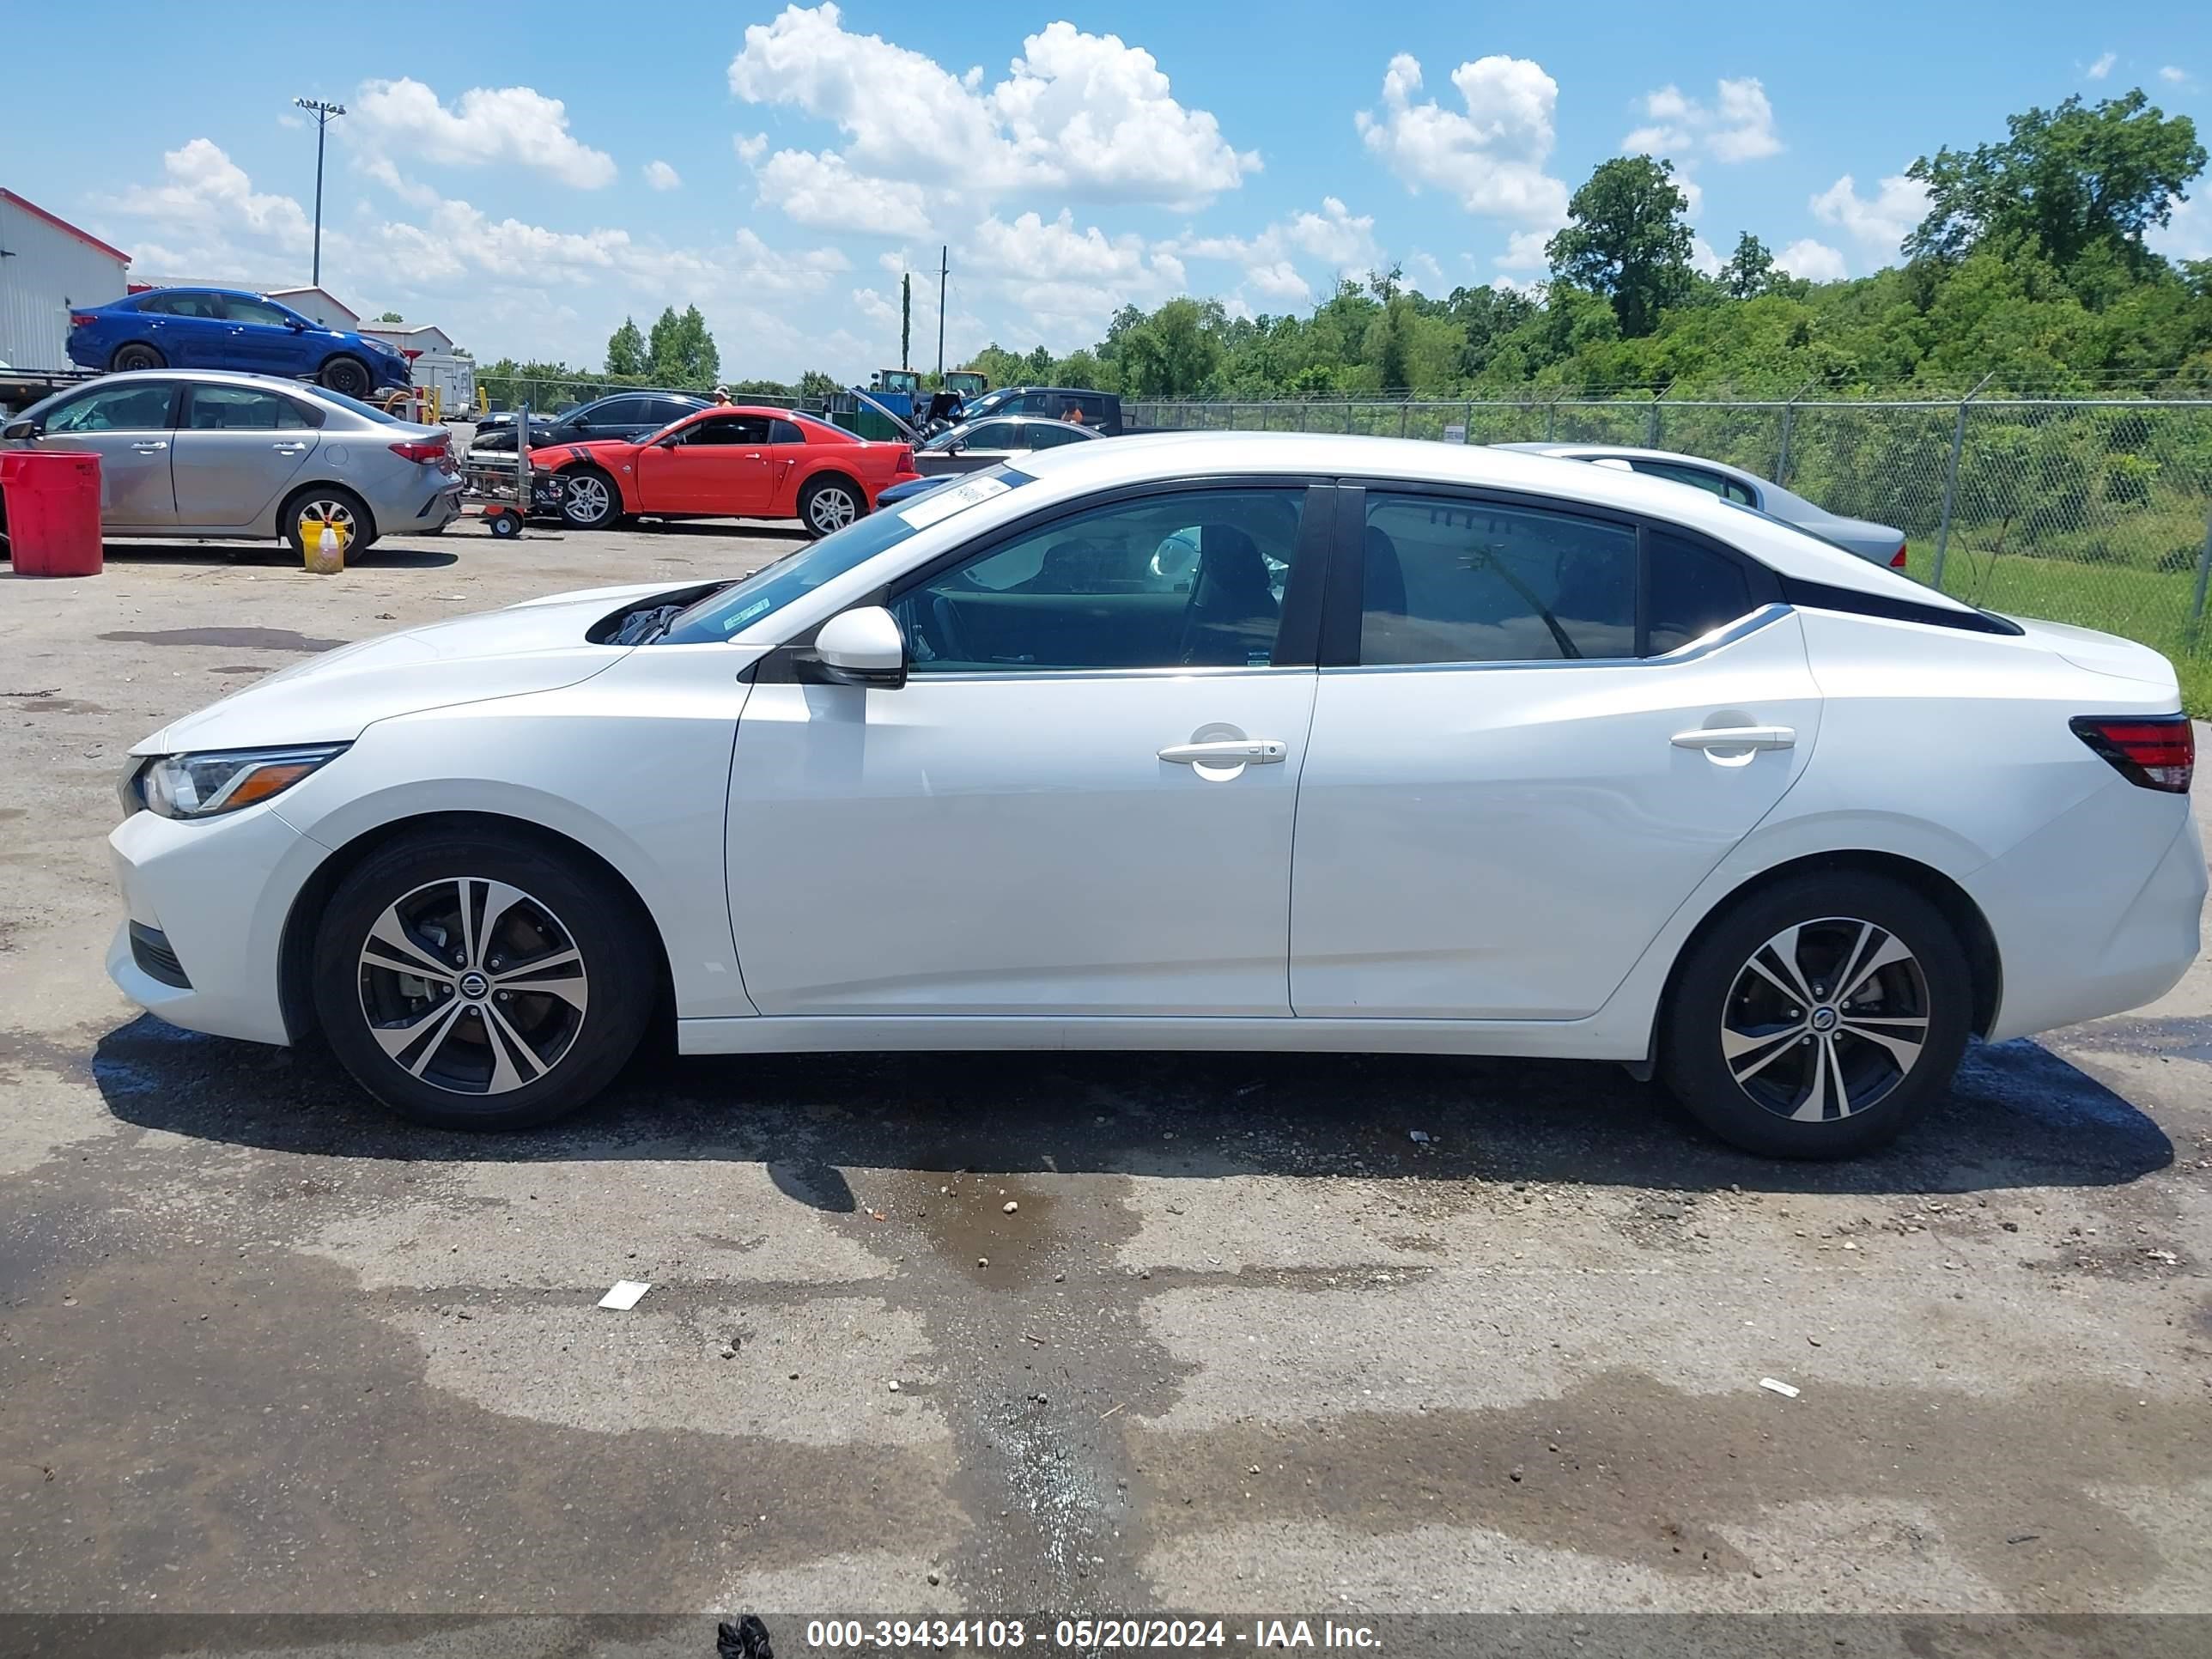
(941, 504)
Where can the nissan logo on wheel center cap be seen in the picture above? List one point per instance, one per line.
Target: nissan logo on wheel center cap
(475, 987)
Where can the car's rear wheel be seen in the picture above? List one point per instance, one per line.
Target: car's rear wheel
(1818, 1016)
(828, 504)
(319, 506)
(347, 376)
(591, 500)
(475, 979)
(136, 355)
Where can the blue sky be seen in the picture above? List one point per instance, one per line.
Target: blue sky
(526, 188)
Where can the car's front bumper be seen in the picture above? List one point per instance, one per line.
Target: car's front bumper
(217, 894)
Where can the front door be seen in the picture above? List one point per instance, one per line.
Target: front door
(130, 423)
(717, 465)
(238, 448)
(1546, 729)
(1080, 803)
(262, 339)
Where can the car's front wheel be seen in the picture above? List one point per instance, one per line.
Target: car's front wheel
(591, 500)
(472, 979)
(1818, 1016)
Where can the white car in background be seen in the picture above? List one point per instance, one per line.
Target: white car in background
(1881, 544)
(1430, 749)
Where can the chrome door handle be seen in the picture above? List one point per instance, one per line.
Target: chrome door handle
(154, 447)
(290, 449)
(752, 454)
(1230, 752)
(1737, 737)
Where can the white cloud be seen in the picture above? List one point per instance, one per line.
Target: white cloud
(1492, 158)
(749, 148)
(1334, 237)
(1816, 261)
(2187, 234)
(1693, 194)
(1737, 127)
(1702, 260)
(204, 191)
(2103, 66)
(1279, 281)
(874, 306)
(1084, 115)
(2173, 73)
(1068, 279)
(661, 176)
(822, 191)
(517, 125)
(1877, 225)
(1427, 273)
(415, 193)
(1524, 251)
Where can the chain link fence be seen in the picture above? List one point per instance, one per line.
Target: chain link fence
(2095, 512)
(548, 394)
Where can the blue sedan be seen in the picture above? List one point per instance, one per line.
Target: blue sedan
(217, 328)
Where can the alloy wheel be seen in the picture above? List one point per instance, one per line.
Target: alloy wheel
(586, 501)
(1825, 1020)
(472, 986)
(315, 514)
(832, 508)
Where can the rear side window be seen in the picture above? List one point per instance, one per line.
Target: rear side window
(1692, 589)
(783, 432)
(1713, 483)
(244, 408)
(1449, 581)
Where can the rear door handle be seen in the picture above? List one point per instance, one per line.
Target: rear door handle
(1230, 752)
(152, 447)
(1737, 737)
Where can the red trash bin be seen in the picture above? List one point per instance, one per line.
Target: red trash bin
(53, 510)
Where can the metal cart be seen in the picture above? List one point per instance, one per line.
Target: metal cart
(505, 490)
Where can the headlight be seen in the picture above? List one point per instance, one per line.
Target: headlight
(206, 786)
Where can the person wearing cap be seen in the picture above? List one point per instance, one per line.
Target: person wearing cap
(721, 394)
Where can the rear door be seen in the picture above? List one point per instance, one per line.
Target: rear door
(131, 425)
(717, 465)
(1538, 728)
(239, 447)
(187, 329)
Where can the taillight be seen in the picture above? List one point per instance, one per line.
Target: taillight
(1897, 559)
(421, 449)
(81, 319)
(905, 463)
(2157, 753)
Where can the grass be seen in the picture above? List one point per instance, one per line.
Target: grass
(2149, 606)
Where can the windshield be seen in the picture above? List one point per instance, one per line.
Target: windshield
(727, 610)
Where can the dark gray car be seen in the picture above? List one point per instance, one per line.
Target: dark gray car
(628, 415)
(205, 454)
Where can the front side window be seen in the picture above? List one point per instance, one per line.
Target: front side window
(1190, 579)
(727, 429)
(243, 408)
(140, 406)
(1450, 581)
(254, 311)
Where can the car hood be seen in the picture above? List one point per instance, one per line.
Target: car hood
(608, 451)
(537, 646)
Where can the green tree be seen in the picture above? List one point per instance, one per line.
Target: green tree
(1389, 346)
(1749, 272)
(390, 317)
(814, 385)
(626, 350)
(1172, 352)
(2067, 179)
(680, 352)
(906, 320)
(1627, 238)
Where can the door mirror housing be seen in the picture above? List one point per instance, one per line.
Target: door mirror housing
(23, 428)
(862, 647)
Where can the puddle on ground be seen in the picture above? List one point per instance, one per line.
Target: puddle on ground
(246, 639)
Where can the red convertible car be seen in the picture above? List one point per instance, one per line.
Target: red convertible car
(727, 462)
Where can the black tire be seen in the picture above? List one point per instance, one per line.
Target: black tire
(1857, 1056)
(590, 499)
(504, 526)
(137, 355)
(829, 503)
(556, 1054)
(306, 510)
(347, 376)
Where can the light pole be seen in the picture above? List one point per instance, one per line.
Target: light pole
(322, 112)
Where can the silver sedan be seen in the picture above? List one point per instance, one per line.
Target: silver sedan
(1881, 544)
(214, 456)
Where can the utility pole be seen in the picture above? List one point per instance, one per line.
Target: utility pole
(943, 270)
(322, 112)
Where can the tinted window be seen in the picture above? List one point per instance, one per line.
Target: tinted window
(243, 408)
(615, 411)
(783, 432)
(182, 304)
(993, 435)
(1450, 581)
(727, 429)
(140, 406)
(664, 409)
(1693, 590)
(1713, 483)
(1048, 434)
(253, 311)
(1191, 578)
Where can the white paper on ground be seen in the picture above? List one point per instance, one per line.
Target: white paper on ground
(624, 1295)
(1767, 1382)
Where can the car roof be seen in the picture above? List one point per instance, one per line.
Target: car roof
(1073, 469)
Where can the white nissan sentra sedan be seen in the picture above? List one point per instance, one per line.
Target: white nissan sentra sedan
(1429, 750)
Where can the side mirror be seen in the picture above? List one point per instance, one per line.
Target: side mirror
(24, 428)
(861, 647)
(295, 325)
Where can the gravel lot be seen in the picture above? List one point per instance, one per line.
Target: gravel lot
(1245, 1345)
